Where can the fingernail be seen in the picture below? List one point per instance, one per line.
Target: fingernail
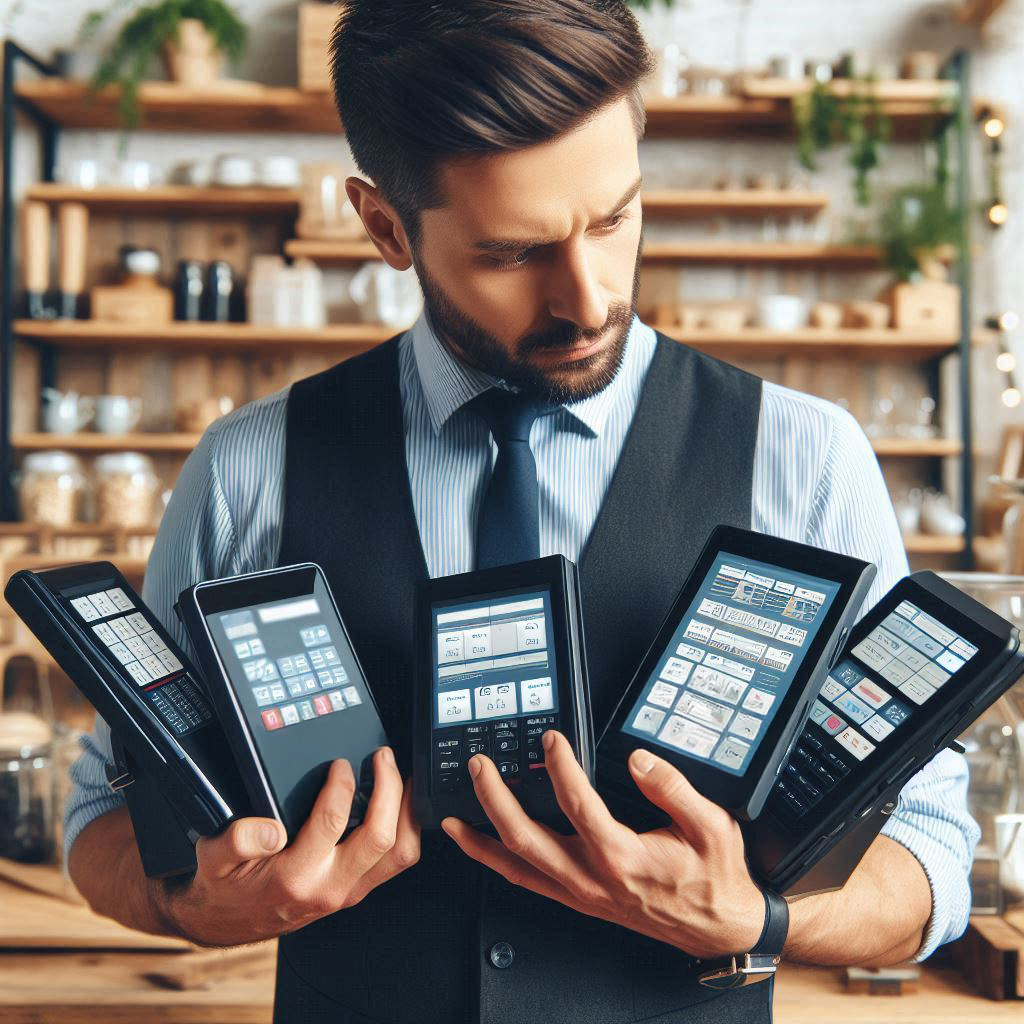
(446, 829)
(389, 756)
(474, 766)
(547, 739)
(643, 762)
(268, 837)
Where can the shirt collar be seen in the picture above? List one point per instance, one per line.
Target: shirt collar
(449, 384)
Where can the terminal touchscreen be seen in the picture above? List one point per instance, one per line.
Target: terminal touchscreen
(919, 668)
(287, 683)
(500, 661)
(729, 679)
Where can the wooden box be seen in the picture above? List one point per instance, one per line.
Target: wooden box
(932, 306)
(316, 24)
(138, 301)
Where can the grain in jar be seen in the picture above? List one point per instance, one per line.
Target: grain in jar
(51, 488)
(126, 487)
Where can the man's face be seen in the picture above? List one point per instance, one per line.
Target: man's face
(530, 271)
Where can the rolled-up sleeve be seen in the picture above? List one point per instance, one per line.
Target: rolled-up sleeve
(852, 513)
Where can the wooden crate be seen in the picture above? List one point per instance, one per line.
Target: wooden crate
(316, 23)
(991, 954)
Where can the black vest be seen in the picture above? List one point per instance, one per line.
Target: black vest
(416, 949)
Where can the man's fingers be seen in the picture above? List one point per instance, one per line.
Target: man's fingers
(243, 840)
(327, 821)
(532, 841)
(578, 799)
(403, 855)
(375, 835)
(701, 822)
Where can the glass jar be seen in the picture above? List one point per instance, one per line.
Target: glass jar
(27, 827)
(126, 487)
(51, 488)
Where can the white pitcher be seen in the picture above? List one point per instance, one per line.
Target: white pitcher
(65, 412)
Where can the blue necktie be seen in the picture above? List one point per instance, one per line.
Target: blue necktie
(508, 529)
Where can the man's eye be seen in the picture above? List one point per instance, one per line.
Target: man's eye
(518, 259)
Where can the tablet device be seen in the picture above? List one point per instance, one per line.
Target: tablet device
(499, 661)
(287, 686)
(179, 777)
(920, 667)
(726, 685)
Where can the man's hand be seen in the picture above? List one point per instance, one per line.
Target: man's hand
(248, 887)
(686, 884)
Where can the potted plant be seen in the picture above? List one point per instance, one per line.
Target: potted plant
(193, 36)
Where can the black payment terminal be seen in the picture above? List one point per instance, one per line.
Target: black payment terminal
(177, 763)
(287, 685)
(499, 661)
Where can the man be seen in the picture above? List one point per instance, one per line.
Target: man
(501, 137)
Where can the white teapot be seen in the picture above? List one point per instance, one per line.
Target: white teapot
(65, 412)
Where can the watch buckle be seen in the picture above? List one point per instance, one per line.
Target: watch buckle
(742, 970)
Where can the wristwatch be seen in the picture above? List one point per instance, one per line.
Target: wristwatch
(760, 963)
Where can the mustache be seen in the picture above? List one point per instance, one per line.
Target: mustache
(566, 334)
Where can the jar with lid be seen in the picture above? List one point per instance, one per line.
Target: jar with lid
(27, 827)
(126, 487)
(51, 488)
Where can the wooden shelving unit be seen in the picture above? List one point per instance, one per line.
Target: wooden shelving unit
(786, 253)
(172, 198)
(750, 202)
(925, 544)
(900, 447)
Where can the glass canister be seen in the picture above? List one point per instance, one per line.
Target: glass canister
(126, 488)
(27, 826)
(51, 488)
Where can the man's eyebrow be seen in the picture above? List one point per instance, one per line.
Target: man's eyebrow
(499, 245)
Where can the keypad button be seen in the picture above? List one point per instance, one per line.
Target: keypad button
(476, 747)
(501, 955)
(508, 769)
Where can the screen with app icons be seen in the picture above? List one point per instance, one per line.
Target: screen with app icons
(289, 662)
(731, 661)
(896, 669)
(494, 658)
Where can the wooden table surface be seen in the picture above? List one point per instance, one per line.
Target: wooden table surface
(117, 986)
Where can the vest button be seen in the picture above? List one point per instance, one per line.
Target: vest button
(502, 955)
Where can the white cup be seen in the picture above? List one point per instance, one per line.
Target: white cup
(781, 312)
(117, 414)
(385, 295)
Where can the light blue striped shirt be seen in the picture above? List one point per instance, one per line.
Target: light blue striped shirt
(816, 480)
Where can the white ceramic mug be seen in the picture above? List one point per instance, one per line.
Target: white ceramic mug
(117, 414)
(781, 312)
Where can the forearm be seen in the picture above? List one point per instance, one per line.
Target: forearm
(877, 918)
(105, 866)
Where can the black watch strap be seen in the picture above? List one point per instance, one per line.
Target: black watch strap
(764, 956)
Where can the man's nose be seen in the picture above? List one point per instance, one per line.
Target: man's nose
(575, 293)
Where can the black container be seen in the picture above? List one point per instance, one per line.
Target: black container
(189, 289)
(220, 285)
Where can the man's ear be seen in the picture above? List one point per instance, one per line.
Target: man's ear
(381, 222)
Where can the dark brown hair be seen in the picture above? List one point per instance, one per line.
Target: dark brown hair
(419, 82)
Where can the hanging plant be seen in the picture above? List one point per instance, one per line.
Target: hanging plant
(816, 114)
(149, 31)
(915, 224)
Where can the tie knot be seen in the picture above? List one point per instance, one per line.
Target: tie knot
(508, 415)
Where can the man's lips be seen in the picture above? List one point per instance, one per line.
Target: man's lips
(571, 353)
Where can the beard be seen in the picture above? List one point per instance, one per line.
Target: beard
(583, 378)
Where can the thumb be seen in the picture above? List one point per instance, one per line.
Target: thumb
(666, 787)
(243, 840)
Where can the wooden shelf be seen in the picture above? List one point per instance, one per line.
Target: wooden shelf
(183, 198)
(894, 93)
(751, 202)
(794, 253)
(925, 544)
(353, 338)
(245, 107)
(902, 447)
(237, 107)
(755, 342)
(155, 442)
